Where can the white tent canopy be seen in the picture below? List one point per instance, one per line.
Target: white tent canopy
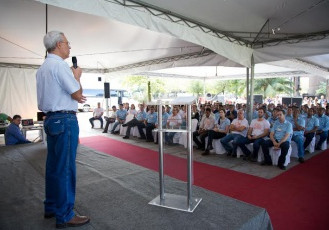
(122, 37)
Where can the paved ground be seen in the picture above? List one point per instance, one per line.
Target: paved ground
(179, 150)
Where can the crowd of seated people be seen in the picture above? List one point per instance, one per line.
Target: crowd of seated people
(271, 126)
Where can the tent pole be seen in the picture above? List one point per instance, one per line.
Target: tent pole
(46, 24)
(204, 89)
(248, 95)
(252, 70)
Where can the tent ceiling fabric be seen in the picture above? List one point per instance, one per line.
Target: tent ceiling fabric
(106, 35)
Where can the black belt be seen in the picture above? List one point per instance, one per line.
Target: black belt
(62, 111)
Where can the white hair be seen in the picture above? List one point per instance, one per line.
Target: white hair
(51, 38)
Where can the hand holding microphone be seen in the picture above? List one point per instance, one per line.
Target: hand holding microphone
(75, 69)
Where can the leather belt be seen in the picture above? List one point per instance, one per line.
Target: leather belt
(62, 111)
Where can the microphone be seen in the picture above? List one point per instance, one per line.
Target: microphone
(75, 62)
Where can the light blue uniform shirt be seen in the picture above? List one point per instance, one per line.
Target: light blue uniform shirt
(55, 84)
(281, 129)
(141, 115)
(300, 122)
(121, 114)
(152, 118)
(272, 121)
(216, 116)
(311, 123)
(165, 116)
(289, 118)
(323, 122)
(223, 124)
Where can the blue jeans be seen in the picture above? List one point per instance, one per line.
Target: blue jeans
(169, 137)
(256, 145)
(236, 140)
(284, 151)
(323, 137)
(299, 139)
(62, 139)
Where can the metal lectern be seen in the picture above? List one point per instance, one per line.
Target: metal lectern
(172, 201)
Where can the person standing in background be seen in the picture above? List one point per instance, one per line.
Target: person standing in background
(58, 93)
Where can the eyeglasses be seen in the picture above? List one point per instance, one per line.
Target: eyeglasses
(68, 43)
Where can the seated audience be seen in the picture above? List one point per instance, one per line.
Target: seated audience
(195, 112)
(207, 123)
(13, 135)
(97, 115)
(311, 126)
(110, 119)
(220, 130)
(279, 139)
(151, 119)
(132, 110)
(121, 118)
(174, 122)
(231, 113)
(165, 117)
(322, 131)
(298, 126)
(137, 121)
(259, 128)
(238, 129)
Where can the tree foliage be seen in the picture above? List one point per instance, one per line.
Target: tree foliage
(139, 84)
(196, 87)
(322, 88)
(270, 87)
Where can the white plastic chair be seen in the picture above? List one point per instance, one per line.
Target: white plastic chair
(123, 130)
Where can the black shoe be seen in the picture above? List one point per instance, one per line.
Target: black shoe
(264, 163)
(210, 148)
(49, 215)
(205, 153)
(234, 155)
(92, 127)
(125, 137)
(112, 132)
(301, 160)
(142, 138)
(282, 167)
(101, 127)
(149, 140)
(317, 148)
(124, 125)
(104, 131)
(253, 159)
(116, 132)
(156, 142)
(245, 158)
(229, 154)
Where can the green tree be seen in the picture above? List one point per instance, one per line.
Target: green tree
(196, 87)
(237, 87)
(322, 88)
(270, 87)
(139, 84)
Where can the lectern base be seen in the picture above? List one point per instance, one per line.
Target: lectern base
(176, 202)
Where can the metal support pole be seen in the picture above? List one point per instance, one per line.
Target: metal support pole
(189, 156)
(149, 91)
(248, 96)
(160, 141)
(252, 75)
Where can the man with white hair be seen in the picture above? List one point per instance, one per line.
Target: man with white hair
(58, 93)
(238, 129)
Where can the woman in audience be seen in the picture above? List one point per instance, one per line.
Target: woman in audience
(220, 130)
(174, 122)
(132, 110)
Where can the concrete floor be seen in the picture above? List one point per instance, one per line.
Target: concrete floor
(236, 164)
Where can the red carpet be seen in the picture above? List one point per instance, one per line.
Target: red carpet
(297, 199)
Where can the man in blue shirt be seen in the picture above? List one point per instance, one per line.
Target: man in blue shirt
(298, 126)
(151, 119)
(311, 126)
(13, 135)
(121, 118)
(279, 139)
(58, 93)
(323, 127)
(137, 121)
